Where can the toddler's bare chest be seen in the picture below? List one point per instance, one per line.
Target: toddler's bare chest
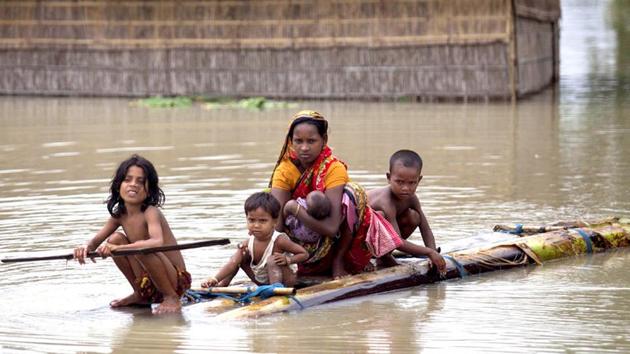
(259, 251)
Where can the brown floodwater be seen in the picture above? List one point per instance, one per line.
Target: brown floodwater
(563, 154)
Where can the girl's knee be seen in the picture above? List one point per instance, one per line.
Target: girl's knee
(117, 238)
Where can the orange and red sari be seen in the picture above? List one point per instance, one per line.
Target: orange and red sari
(368, 232)
(314, 178)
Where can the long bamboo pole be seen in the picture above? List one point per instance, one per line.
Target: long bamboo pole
(121, 253)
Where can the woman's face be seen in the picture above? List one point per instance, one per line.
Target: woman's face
(307, 143)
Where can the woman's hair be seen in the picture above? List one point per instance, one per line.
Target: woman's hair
(310, 117)
(155, 195)
(265, 201)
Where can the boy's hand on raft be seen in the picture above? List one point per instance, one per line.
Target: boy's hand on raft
(81, 253)
(438, 261)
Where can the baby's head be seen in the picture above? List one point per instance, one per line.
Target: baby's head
(318, 205)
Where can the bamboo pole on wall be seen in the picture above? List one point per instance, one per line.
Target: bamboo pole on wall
(512, 62)
(556, 51)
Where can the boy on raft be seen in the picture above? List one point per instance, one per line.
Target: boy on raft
(398, 201)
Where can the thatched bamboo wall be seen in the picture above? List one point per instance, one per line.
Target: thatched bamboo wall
(537, 52)
(279, 48)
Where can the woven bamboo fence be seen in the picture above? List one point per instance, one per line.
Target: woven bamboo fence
(279, 48)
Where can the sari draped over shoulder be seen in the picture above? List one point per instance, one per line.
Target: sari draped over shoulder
(372, 234)
(358, 216)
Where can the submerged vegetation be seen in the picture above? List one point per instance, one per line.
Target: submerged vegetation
(163, 102)
(255, 103)
(252, 103)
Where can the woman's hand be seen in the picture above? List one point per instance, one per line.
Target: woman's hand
(291, 208)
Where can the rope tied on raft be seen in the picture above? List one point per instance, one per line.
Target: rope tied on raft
(460, 268)
(517, 230)
(262, 291)
(586, 238)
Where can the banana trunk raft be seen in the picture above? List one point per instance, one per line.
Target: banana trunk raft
(528, 245)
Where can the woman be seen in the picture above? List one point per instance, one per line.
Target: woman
(306, 164)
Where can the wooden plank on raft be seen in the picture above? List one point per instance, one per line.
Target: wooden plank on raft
(519, 252)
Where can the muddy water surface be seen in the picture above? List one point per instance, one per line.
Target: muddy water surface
(563, 154)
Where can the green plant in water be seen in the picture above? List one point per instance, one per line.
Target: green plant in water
(252, 103)
(164, 102)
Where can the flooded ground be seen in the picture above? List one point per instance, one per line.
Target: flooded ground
(560, 155)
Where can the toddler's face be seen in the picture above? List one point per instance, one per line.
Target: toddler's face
(260, 224)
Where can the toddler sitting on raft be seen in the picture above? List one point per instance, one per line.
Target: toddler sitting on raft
(268, 256)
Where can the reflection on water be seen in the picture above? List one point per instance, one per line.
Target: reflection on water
(558, 155)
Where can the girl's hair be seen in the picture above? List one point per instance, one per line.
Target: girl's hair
(265, 201)
(155, 195)
(310, 117)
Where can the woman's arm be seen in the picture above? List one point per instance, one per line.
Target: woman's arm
(328, 227)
